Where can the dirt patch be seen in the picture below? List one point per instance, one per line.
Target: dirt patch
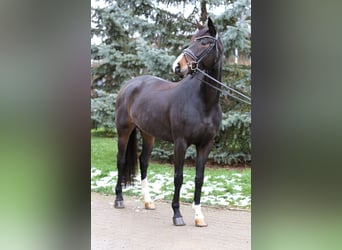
(137, 228)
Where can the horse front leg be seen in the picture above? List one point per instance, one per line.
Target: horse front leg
(179, 154)
(202, 155)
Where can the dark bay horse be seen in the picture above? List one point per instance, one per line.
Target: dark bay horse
(184, 113)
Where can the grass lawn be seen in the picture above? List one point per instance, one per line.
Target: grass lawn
(222, 187)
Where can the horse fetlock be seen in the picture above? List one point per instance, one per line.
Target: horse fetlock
(199, 217)
(149, 204)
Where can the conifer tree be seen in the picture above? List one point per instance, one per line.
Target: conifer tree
(139, 37)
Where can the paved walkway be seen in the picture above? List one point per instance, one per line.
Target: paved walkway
(137, 228)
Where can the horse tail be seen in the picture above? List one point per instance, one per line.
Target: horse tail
(131, 159)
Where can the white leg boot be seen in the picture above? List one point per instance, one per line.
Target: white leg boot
(149, 204)
(199, 217)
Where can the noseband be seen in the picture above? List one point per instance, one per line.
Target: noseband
(197, 59)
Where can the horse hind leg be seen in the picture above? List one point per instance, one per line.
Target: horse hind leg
(124, 135)
(122, 144)
(148, 142)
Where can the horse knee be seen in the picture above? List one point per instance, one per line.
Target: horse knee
(178, 179)
(199, 181)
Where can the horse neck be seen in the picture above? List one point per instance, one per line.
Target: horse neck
(210, 95)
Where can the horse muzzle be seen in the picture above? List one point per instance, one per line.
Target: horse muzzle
(180, 66)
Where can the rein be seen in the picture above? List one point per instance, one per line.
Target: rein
(241, 97)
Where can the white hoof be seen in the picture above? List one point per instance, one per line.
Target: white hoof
(150, 205)
(199, 222)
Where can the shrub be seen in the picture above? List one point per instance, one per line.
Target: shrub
(103, 110)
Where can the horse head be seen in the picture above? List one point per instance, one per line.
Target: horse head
(205, 51)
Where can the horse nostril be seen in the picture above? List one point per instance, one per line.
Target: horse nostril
(177, 69)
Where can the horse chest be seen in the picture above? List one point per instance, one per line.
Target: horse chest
(207, 125)
(199, 125)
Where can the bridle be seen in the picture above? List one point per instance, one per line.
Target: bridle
(194, 67)
(197, 59)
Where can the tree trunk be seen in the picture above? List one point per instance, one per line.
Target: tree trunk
(204, 13)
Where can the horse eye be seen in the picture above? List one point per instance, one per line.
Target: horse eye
(204, 42)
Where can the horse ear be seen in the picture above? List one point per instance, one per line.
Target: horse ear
(211, 27)
(199, 26)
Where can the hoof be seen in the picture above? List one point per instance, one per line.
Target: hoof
(199, 222)
(119, 204)
(150, 205)
(178, 221)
